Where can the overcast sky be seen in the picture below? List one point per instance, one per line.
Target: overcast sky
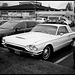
(54, 4)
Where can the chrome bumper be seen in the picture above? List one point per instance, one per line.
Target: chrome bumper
(32, 53)
(20, 50)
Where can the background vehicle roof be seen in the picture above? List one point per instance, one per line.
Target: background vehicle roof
(22, 21)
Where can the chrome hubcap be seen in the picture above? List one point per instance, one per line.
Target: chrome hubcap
(46, 53)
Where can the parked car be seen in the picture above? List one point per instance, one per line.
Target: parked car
(43, 39)
(66, 21)
(59, 19)
(53, 18)
(2, 21)
(16, 26)
(40, 19)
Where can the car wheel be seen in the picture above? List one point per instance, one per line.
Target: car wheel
(46, 53)
(71, 44)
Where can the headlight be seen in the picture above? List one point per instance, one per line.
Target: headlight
(3, 40)
(31, 47)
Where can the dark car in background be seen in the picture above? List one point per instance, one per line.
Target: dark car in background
(2, 21)
(60, 19)
(16, 26)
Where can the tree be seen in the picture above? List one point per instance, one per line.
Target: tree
(4, 4)
(69, 6)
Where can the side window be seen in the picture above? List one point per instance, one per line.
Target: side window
(62, 29)
(31, 24)
(21, 25)
(62, 19)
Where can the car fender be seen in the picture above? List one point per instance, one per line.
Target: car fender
(43, 45)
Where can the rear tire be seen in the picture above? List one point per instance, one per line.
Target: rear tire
(71, 44)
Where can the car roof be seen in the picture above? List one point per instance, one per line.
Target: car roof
(53, 24)
(22, 21)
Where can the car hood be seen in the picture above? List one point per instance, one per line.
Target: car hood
(30, 38)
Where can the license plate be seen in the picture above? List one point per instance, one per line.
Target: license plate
(17, 52)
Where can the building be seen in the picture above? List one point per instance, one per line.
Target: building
(30, 9)
(24, 9)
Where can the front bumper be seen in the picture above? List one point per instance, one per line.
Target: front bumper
(20, 49)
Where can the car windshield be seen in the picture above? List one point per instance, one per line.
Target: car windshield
(2, 22)
(48, 29)
(9, 24)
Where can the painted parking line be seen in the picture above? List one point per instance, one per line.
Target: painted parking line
(58, 61)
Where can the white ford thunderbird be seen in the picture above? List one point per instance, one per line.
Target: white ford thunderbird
(42, 39)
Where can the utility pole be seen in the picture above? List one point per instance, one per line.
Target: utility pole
(36, 10)
(74, 10)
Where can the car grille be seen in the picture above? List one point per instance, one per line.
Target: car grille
(16, 47)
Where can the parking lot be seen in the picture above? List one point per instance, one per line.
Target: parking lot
(11, 63)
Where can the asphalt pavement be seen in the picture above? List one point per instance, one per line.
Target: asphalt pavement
(11, 63)
(68, 62)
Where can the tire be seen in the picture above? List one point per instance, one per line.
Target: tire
(46, 53)
(71, 44)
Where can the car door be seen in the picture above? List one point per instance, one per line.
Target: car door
(63, 37)
(20, 27)
(30, 25)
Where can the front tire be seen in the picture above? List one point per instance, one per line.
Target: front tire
(46, 53)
